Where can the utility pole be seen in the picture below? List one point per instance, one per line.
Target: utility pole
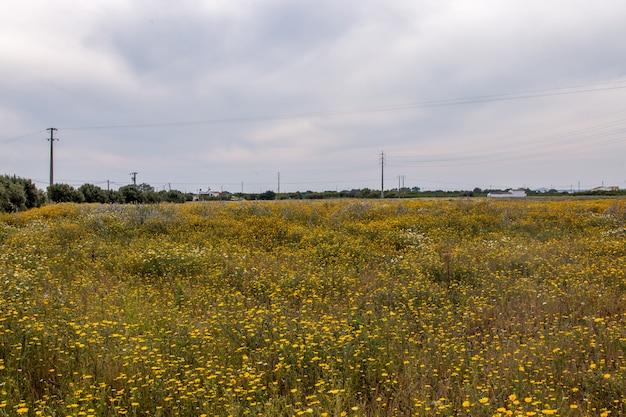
(52, 139)
(278, 186)
(401, 181)
(382, 174)
(134, 176)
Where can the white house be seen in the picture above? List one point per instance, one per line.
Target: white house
(208, 193)
(607, 188)
(508, 193)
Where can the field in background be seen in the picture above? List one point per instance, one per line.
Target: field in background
(340, 308)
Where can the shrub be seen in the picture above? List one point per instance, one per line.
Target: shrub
(17, 194)
(64, 193)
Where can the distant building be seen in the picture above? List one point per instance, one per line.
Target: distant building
(209, 193)
(607, 188)
(508, 193)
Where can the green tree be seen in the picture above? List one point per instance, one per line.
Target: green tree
(12, 195)
(268, 195)
(148, 194)
(131, 194)
(93, 193)
(34, 196)
(367, 193)
(152, 197)
(145, 188)
(64, 193)
(113, 196)
(19, 194)
(173, 196)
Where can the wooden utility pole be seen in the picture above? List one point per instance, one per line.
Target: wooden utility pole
(52, 139)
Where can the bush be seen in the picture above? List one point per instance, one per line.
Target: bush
(93, 193)
(18, 194)
(64, 193)
(132, 194)
(173, 196)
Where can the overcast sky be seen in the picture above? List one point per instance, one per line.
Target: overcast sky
(227, 94)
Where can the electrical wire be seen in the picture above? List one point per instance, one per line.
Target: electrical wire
(371, 109)
(21, 136)
(575, 139)
(602, 86)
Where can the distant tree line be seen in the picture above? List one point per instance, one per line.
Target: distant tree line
(19, 194)
(128, 194)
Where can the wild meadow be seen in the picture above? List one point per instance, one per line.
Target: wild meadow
(463, 307)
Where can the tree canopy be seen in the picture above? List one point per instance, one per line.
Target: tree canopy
(18, 194)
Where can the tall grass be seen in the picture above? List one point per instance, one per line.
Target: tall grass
(433, 308)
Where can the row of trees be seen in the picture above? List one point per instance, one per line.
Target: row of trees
(18, 194)
(129, 194)
(145, 193)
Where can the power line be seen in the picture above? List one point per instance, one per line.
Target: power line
(22, 136)
(587, 88)
(370, 109)
(560, 142)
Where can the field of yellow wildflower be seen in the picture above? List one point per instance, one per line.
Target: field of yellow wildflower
(334, 308)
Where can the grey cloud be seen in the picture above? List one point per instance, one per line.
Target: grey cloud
(160, 61)
(201, 40)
